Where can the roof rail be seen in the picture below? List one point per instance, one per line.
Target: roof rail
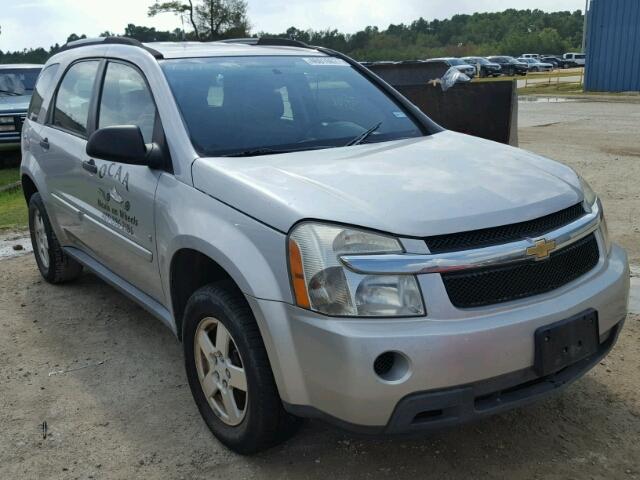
(85, 42)
(268, 42)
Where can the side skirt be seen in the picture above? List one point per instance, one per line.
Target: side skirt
(152, 306)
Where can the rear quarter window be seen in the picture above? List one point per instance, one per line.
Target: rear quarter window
(43, 86)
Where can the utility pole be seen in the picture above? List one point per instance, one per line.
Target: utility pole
(584, 26)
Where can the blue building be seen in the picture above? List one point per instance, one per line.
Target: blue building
(613, 46)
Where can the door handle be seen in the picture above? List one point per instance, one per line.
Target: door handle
(44, 143)
(90, 166)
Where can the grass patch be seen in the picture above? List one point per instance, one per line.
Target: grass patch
(564, 88)
(9, 175)
(13, 210)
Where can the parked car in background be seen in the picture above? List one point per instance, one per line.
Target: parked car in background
(530, 55)
(577, 58)
(484, 67)
(510, 66)
(16, 86)
(462, 66)
(536, 65)
(556, 61)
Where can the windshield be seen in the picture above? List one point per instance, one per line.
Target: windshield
(240, 104)
(18, 81)
(455, 61)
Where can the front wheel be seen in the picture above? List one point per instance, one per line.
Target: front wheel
(229, 372)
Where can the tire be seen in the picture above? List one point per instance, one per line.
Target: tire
(55, 266)
(260, 421)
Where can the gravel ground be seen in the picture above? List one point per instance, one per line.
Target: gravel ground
(108, 380)
(601, 141)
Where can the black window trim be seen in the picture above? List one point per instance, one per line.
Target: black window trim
(158, 135)
(54, 98)
(35, 90)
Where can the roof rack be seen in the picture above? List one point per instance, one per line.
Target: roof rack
(85, 42)
(268, 42)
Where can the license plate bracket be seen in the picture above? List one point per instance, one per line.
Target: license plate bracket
(565, 342)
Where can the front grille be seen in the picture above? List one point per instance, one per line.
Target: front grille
(491, 285)
(506, 233)
(19, 121)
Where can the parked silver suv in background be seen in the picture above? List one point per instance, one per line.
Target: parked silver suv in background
(321, 248)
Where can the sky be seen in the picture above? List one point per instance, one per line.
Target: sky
(42, 23)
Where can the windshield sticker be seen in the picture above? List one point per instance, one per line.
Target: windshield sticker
(325, 61)
(399, 114)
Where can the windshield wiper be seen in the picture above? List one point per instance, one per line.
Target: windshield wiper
(9, 92)
(364, 135)
(255, 152)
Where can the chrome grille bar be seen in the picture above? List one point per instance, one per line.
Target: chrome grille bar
(414, 264)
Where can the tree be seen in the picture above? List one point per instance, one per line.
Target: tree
(150, 34)
(223, 18)
(73, 37)
(510, 32)
(210, 19)
(178, 8)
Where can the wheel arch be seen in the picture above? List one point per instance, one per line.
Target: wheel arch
(28, 187)
(189, 270)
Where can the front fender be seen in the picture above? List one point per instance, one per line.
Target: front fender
(253, 254)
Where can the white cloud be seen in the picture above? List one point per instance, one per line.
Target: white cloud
(41, 23)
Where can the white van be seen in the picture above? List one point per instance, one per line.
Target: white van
(577, 58)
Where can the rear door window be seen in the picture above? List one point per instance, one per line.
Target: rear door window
(71, 111)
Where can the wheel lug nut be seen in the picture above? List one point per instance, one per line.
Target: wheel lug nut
(216, 375)
(228, 373)
(224, 384)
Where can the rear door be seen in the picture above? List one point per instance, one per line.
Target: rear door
(61, 149)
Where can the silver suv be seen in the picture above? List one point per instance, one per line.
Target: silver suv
(320, 247)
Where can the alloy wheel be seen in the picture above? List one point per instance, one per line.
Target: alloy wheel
(221, 371)
(42, 243)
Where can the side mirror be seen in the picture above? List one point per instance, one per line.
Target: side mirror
(121, 143)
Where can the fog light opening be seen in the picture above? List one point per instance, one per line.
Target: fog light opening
(391, 366)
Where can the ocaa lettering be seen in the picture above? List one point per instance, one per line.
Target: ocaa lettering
(113, 170)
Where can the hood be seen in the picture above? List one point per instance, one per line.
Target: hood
(444, 183)
(14, 103)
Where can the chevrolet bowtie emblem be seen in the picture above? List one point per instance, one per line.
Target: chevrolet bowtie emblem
(541, 249)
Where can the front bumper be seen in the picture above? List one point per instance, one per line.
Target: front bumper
(460, 361)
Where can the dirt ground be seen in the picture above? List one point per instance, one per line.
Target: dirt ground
(601, 141)
(108, 380)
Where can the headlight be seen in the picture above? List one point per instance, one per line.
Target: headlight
(321, 283)
(589, 194)
(605, 234)
(590, 198)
